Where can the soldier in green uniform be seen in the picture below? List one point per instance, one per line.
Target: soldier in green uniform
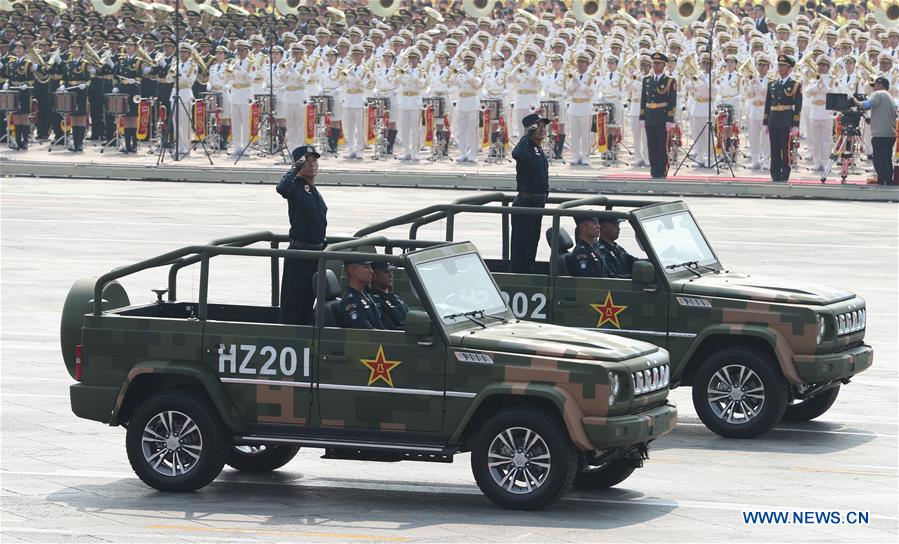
(393, 309)
(783, 103)
(19, 74)
(658, 103)
(76, 78)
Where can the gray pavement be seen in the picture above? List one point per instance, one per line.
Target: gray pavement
(68, 480)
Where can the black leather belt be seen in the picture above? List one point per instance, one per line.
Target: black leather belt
(532, 195)
(298, 244)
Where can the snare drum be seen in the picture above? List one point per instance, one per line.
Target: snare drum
(609, 108)
(324, 105)
(116, 103)
(64, 102)
(495, 106)
(550, 109)
(9, 100)
(213, 100)
(381, 106)
(436, 103)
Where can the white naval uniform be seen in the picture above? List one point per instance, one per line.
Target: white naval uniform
(411, 84)
(554, 89)
(580, 114)
(759, 144)
(699, 115)
(495, 89)
(296, 76)
(354, 84)
(527, 95)
(729, 91)
(439, 87)
(219, 83)
(608, 87)
(634, 89)
(241, 96)
(820, 135)
(187, 74)
(468, 84)
(329, 78)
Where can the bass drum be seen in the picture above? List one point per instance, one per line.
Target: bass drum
(79, 302)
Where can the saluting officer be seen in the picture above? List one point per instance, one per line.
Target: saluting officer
(392, 308)
(657, 105)
(783, 104)
(532, 183)
(308, 215)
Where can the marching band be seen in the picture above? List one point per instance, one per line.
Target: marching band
(375, 75)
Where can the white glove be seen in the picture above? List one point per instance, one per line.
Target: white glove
(23, 86)
(642, 124)
(61, 89)
(82, 86)
(5, 85)
(115, 89)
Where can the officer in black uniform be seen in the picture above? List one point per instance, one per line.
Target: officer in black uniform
(532, 183)
(783, 104)
(586, 262)
(357, 310)
(618, 262)
(658, 103)
(392, 308)
(308, 217)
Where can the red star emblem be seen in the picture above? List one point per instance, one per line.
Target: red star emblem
(608, 312)
(380, 367)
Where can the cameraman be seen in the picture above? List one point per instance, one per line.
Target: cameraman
(883, 128)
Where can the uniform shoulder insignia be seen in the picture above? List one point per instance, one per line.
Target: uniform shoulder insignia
(349, 307)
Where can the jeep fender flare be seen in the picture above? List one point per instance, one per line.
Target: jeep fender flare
(201, 374)
(778, 343)
(569, 411)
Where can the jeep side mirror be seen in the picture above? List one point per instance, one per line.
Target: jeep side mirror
(418, 323)
(644, 275)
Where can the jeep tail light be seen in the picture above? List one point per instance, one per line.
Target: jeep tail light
(78, 363)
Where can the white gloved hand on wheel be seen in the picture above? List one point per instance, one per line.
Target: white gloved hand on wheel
(82, 86)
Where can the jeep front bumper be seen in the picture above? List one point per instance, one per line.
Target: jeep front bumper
(833, 366)
(606, 432)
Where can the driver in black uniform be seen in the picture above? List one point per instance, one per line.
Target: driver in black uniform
(393, 309)
(618, 261)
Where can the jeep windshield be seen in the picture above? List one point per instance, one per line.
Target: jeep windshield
(679, 244)
(460, 287)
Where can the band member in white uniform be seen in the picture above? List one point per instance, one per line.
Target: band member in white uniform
(468, 83)
(580, 110)
(634, 89)
(187, 74)
(356, 77)
(526, 78)
(219, 82)
(296, 73)
(412, 81)
(820, 136)
(756, 90)
(242, 73)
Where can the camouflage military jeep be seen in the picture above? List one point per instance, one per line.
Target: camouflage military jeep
(755, 349)
(200, 384)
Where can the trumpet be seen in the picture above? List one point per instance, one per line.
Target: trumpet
(141, 53)
(35, 57)
(54, 57)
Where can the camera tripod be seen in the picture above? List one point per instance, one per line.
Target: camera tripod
(847, 146)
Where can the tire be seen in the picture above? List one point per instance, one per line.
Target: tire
(809, 409)
(260, 458)
(609, 476)
(717, 394)
(152, 458)
(543, 482)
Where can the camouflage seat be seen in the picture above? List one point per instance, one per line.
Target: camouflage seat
(332, 296)
(563, 258)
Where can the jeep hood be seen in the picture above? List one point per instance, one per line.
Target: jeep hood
(764, 289)
(529, 338)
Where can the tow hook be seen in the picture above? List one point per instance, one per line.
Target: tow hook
(636, 455)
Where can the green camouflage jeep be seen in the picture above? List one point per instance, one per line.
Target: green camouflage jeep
(201, 384)
(755, 349)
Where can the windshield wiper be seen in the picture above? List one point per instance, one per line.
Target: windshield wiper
(689, 265)
(470, 316)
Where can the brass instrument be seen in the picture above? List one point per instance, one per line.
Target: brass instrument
(142, 54)
(382, 8)
(886, 12)
(35, 56)
(748, 69)
(782, 11)
(588, 10)
(729, 16)
(107, 7)
(199, 60)
(478, 8)
(630, 19)
(54, 56)
(683, 12)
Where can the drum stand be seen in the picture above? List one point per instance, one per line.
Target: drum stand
(171, 143)
(64, 140)
(115, 140)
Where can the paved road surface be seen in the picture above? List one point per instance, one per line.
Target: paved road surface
(65, 479)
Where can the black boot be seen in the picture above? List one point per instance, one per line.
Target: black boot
(78, 137)
(22, 136)
(130, 140)
(391, 140)
(226, 130)
(333, 139)
(559, 147)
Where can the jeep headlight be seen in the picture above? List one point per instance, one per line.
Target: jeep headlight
(822, 328)
(614, 387)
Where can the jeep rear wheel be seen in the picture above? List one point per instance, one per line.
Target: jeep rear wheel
(176, 442)
(260, 458)
(809, 409)
(522, 458)
(604, 477)
(739, 393)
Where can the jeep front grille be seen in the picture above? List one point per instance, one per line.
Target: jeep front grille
(651, 379)
(850, 322)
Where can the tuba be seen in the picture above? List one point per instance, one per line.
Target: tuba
(196, 5)
(886, 12)
(478, 8)
(383, 8)
(684, 12)
(107, 7)
(588, 10)
(782, 11)
(288, 7)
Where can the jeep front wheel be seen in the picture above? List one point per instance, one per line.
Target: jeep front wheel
(176, 442)
(604, 477)
(809, 409)
(260, 458)
(739, 393)
(522, 458)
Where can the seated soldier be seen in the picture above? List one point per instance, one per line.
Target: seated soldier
(618, 261)
(356, 309)
(586, 261)
(393, 309)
